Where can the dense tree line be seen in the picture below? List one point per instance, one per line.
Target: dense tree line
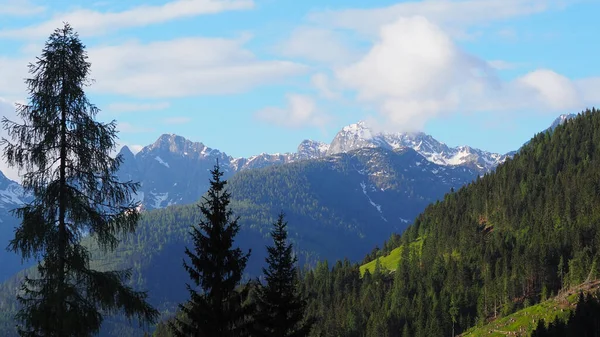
(510, 239)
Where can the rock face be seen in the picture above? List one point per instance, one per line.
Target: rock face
(171, 171)
(310, 149)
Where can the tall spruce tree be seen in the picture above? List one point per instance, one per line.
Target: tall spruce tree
(216, 267)
(64, 157)
(279, 304)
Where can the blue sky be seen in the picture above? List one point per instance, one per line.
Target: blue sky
(251, 76)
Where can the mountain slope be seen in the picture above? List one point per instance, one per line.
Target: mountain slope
(500, 244)
(525, 321)
(171, 171)
(367, 194)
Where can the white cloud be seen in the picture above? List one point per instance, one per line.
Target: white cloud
(19, 8)
(165, 69)
(177, 120)
(92, 23)
(323, 85)
(415, 72)
(317, 44)
(454, 16)
(14, 71)
(589, 89)
(551, 89)
(125, 127)
(184, 67)
(301, 111)
(502, 65)
(508, 33)
(136, 107)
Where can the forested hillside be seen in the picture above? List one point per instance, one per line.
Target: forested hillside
(510, 239)
(336, 207)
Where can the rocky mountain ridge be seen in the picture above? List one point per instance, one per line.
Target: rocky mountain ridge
(175, 170)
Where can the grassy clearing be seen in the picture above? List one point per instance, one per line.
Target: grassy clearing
(523, 322)
(390, 262)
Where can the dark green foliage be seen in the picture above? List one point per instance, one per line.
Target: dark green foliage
(65, 158)
(504, 242)
(215, 267)
(583, 322)
(280, 309)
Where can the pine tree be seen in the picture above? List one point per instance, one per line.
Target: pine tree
(63, 155)
(217, 268)
(280, 307)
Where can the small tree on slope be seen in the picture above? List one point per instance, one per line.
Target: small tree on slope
(280, 307)
(65, 156)
(217, 269)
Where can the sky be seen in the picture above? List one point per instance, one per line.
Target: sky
(254, 76)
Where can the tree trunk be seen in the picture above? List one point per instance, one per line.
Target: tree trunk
(62, 230)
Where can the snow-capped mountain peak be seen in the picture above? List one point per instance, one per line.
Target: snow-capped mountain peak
(175, 144)
(310, 149)
(561, 120)
(359, 135)
(351, 137)
(167, 166)
(12, 194)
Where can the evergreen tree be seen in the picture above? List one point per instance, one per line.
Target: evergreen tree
(64, 157)
(280, 306)
(217, 269)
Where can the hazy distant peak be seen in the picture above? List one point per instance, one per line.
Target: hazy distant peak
(561, 120)
(126, 152)
(176, 144)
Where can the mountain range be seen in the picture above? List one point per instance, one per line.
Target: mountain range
(376, 182)
(174, 170)
(358, 190)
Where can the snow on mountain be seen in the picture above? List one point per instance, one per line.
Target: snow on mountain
(359, 135)
(352, 137)
(174, 170)
(561, 120)
(159, 159)
(261, 160)
(12, 194)
(310, 149)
